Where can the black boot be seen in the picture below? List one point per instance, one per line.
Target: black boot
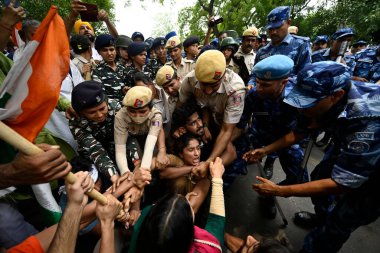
(306, 219)
(268, 167)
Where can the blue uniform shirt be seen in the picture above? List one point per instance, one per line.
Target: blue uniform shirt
(271, 119)
(367, 64)
(324, 55)
(374, 73)
(295, 47)
(358, 136)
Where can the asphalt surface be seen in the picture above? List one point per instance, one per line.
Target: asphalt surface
(244, 218)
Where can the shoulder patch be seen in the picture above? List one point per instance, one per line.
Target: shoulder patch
(358, 146)
(301, 37)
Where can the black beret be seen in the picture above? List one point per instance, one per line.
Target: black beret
(137, 34)
(104, 40)
(190, 41)
(80, 43)
(160, 41)
(136, 48)
(86, 95)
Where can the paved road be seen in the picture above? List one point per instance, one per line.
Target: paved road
(243, 216)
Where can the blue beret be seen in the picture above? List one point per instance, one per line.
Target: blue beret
(317, 81)
(136, 48)
(342, 32)
(137, 34)
(104, 40)
(324, 38)
(206, 48)
(86, 95)
(278, 16)
(171, 34)
(215, 43)
(360, 43)
(190, 41)
(274, 67)
(160, 41)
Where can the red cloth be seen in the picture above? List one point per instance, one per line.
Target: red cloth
(204, 242)
(30, 245)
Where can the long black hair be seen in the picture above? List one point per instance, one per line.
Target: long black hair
(168, 227)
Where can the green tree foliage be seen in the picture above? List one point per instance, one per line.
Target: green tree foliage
(313, 18)
(237, 14)
(362, 15)
(37, 9)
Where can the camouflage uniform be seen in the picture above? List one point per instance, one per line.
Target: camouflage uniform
(324, 55)
(352, 162)
(271, 120)
(367, 64)
(113, 80)
(154, 65)
(132, 70)
(295, 47)
(96, 141)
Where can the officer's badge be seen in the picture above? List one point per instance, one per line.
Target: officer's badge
(156, 123)
(162, 43)
(358, 147)
(217, 75)
(172, 43)
(98, 99)
(273, 18)
(268, 75)
(168, 77)
(138, 103)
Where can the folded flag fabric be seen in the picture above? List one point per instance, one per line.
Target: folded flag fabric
(31, 90)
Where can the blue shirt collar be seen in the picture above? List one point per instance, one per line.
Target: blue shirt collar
(286, 40)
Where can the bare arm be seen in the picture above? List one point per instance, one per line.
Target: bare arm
(285, 141)
(73, 15)
(40, 168)
(175, 172)
(222, 141)
(103, 16)
(10, 17)
(67, 232)
(309, 189)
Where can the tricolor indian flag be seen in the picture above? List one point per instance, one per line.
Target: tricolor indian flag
(31, 89)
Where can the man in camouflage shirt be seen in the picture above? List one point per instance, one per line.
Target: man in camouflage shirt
(109, 72)
(158, 47)
(137, 53)
(94, 129)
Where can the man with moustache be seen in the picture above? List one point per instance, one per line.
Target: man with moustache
(344, 186)
(220, 91)
(85, 28)
(295, 47)
(109, 72)
(247, 47)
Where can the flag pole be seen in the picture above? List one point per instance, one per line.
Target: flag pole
(10, 136)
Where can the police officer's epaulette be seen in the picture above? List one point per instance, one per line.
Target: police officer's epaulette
(320, 51)
(188, 61)
(301, 38)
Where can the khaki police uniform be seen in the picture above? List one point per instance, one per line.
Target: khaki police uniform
(226, 104)
(184, 68)
(79, 61)
(124, 125)
(249, 58)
